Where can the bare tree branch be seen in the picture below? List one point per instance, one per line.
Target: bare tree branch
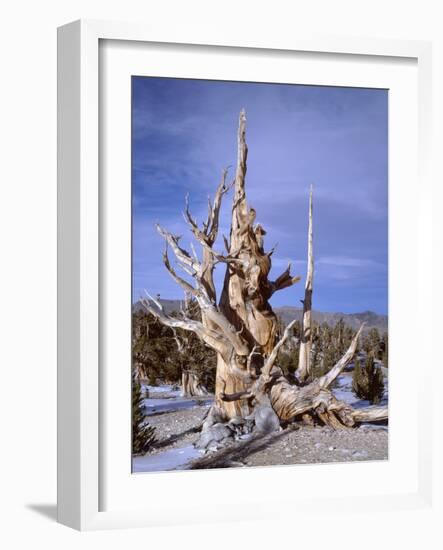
(285, 280)
(214, 339)
(178, 341)
(267, 367)
(179, 280)
(207, 305)
(229, 397)
(180, 253)
(251, 356)
(209, 233)
(214, 213)
(330, 376)
(370, 414)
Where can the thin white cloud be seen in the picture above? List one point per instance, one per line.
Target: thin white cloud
(344, 261)
(283, 262)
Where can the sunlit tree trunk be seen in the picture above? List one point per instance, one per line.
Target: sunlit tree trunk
(304, 362)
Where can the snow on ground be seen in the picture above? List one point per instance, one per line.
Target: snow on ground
(173, 459)
(173, 391)
(166, 409)
(153, 405)
(176, 418)
(167, 398)
(343, 392)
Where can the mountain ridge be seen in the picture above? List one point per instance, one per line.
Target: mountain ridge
(288, 313)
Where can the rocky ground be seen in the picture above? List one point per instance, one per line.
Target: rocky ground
(177, 431)
(178, 428)
(302, 445)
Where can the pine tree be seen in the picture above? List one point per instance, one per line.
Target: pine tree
(375, 341)
(158, 357)
(338, 339)
(357, 378)
(385, 350)
(142, 433)
(324, 352)
(315, 351)
(367, 382)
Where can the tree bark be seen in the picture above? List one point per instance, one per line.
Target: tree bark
(246, 291)
(241, 285)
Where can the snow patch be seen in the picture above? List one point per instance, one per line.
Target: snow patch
(173, 459)
(153, 406)
(343, 392)
(165, 388)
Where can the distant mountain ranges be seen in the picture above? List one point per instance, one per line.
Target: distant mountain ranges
(288, 313)
(353, 320)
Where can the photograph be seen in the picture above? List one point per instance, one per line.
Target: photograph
(259, 274)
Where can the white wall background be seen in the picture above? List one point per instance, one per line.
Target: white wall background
(28, 261)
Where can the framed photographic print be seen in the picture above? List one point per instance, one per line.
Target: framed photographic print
(240, 252)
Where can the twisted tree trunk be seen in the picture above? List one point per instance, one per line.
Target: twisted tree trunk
(244, 298)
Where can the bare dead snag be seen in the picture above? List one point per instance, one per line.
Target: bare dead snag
(304, 362)
(192, 386)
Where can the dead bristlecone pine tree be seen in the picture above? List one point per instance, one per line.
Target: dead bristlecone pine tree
(304, 369)
(251, 392)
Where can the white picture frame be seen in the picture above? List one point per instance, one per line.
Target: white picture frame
(81, 471)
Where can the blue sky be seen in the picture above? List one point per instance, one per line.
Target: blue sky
(184, 134)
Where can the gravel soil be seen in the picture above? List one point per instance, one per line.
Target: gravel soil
(297, 444)
(177, 429)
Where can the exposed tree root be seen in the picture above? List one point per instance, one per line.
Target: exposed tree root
(272, 393)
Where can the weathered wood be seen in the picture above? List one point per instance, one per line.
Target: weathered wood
(192, 385)
(304, 361)
(270, 361)
(370, 414)
(326, 380)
